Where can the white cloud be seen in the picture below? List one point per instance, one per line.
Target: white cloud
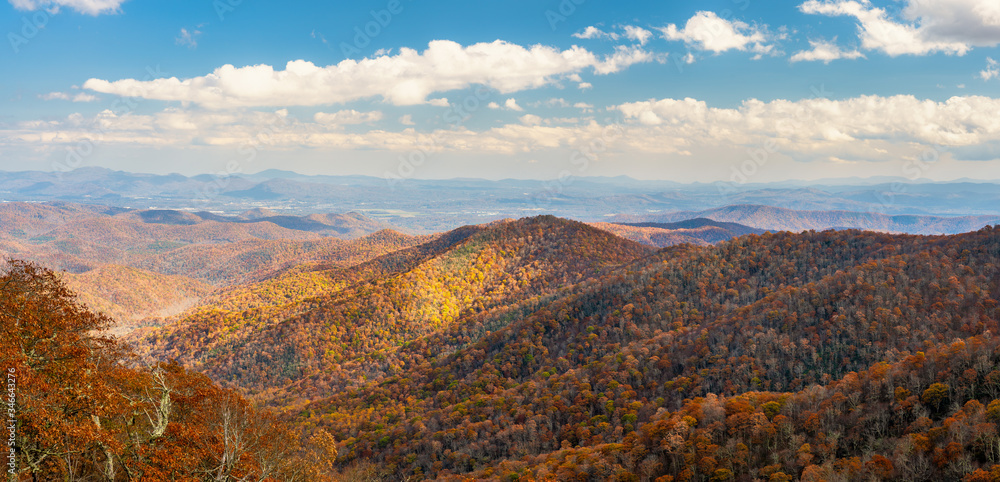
(952, 27)
(80, 97)
(638, 34)
(825, 51)
(593, 32)
(89, 7)
(867, 128)
(407, 120)
(54, 96)
(707, 31)
(349, 116)
(585, 85)
(992, 69)
(585, 107)
(530, 120)
(442, 102)
(552, 102)
(624, 57)
(187, 38)
(975, 22)
(813, 125)
(511, 104)
(407, 78)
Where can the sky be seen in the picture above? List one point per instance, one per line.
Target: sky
(730, 90)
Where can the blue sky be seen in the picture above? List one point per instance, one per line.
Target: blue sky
(737, 91)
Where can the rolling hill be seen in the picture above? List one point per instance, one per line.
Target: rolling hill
(133, 264)
(390, 301)
(844, 354)
(699, 231)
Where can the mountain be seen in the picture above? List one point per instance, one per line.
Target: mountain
(427, 206)
(133, 264)
(79, 237)
(834, 355)
(699, 231)
(372, 309)
(781, 219)
(544, 348)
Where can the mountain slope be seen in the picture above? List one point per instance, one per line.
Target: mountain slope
(128, 294)
(597, 382)
(390, 301)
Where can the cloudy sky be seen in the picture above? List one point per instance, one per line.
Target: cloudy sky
(689, 91)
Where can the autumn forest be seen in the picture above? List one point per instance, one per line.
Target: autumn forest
(531, 349)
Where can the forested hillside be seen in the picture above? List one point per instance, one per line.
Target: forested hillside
(544, 348)
(375, 308)
(699, 231)
(577, 385)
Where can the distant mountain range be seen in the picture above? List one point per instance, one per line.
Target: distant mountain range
(781, 219)
(429, 206)
(138, 263)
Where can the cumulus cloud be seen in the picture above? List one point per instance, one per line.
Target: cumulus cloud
(952, 27)
(407, 78)
(407, 120)
(345, 117)
(511, 104)
(992, 69)
(707, 31)
(530, 120)
(593, 32)
(624, 57)
(84, 97)
(637, 34)
(974, 22)
(89, 7)
(825, 51)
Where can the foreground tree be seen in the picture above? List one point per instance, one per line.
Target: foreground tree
(85, 411)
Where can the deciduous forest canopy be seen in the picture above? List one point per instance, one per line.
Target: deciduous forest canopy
(539, 348)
